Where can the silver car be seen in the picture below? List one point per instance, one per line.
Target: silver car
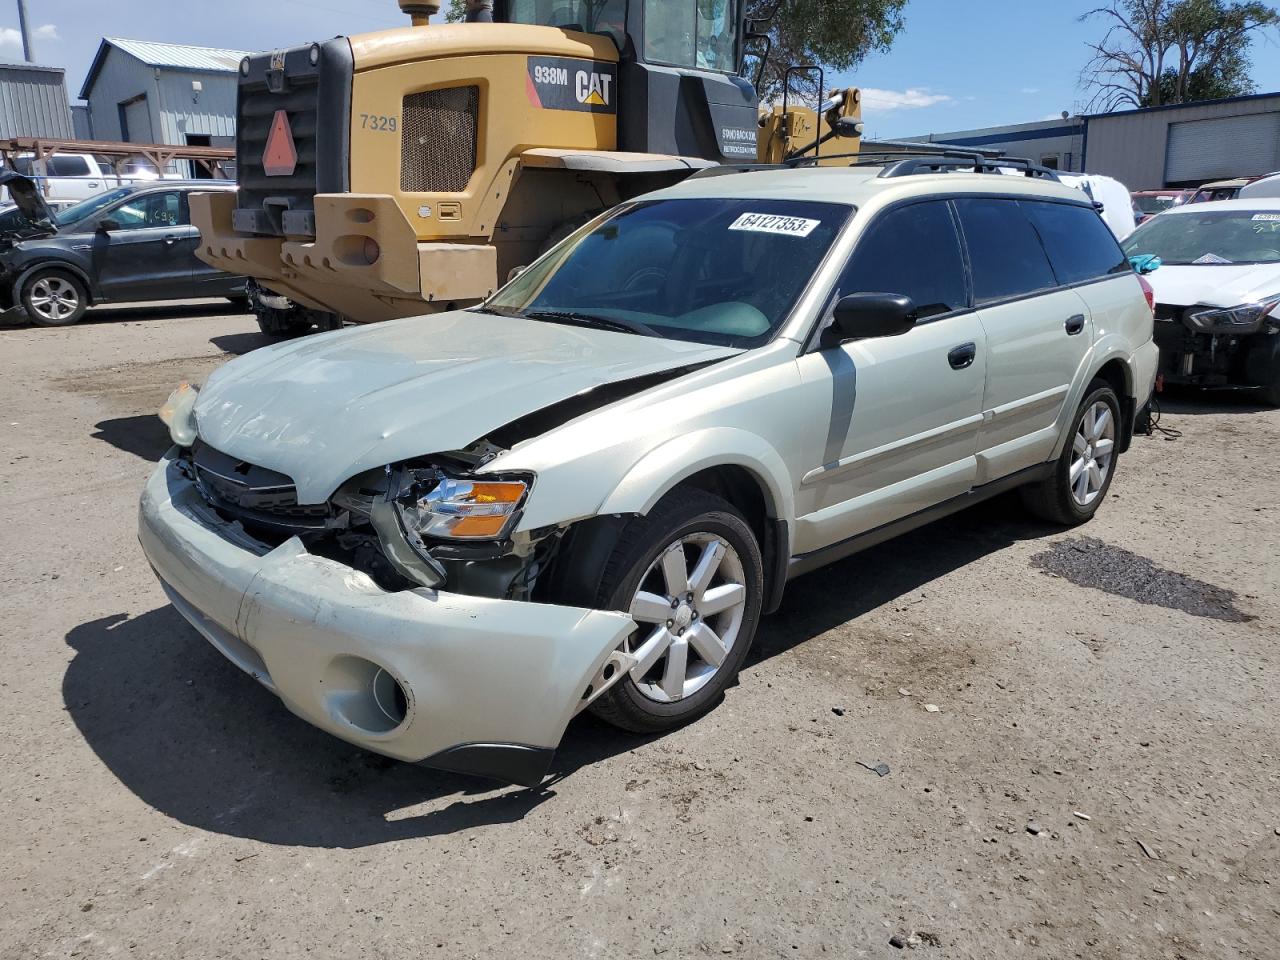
(440, 538)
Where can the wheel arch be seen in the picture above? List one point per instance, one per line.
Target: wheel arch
(71, 268)
(1118, 372)
(738, 466)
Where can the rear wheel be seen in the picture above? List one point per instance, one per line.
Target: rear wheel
(691, 576)
(1082, 475)
(54, 298)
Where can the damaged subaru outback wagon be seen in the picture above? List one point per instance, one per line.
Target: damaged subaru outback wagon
(440, 538)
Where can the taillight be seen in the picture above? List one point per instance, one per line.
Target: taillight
(1150, 293)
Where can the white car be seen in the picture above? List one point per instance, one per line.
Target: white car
(1217, 293)
(441, 537)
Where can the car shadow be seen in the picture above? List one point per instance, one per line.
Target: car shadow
(197, 740)
(159, 311)
(242, 343)
(1187, 401)
(144, 436)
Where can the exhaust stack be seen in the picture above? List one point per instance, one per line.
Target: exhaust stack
(419, 11)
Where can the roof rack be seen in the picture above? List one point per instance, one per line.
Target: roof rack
(895, 164)
(911, 166)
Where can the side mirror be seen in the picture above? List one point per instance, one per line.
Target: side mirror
(106, 225)
(861, 316)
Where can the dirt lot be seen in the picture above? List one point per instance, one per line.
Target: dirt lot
(157, 803)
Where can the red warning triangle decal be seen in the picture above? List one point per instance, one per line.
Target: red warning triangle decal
(280, 158)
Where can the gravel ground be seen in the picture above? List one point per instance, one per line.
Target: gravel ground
(1101, 777)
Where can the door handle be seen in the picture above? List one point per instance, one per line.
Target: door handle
(1075, 325)
(170, 241)
(962, 357)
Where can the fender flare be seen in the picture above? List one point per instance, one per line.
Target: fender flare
(66, 265)
(671, 463)
(1110, 347)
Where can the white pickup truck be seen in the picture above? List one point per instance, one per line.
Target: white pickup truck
(71, 177)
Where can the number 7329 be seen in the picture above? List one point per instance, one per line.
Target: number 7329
(378, 122)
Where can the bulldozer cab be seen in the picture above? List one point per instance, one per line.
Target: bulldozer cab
(679, 90)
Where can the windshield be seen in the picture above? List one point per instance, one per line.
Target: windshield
(591, 16)
(708, 270)
(1217, 237)
(1154, 205)
(87, 208)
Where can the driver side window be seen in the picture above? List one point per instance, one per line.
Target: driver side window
(913, 251)
(150, 210)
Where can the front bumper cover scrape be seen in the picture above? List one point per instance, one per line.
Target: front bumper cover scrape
(489, 686)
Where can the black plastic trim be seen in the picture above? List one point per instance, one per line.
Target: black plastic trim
(808, 562)
(777, 553)
(508, 762)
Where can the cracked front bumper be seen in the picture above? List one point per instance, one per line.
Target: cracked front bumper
(488, 685)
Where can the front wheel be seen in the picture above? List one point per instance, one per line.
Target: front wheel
(1082, 475)
(54, 298)
(691, 576)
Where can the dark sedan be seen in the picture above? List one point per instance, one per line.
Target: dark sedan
(132, 243)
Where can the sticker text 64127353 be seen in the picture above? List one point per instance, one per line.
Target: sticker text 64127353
(775, 223)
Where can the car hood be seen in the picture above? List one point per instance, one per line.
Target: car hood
(1215, 285)
(26, 196)
(325, 408)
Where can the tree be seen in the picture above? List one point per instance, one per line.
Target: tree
(837, 34)
(1157, 52)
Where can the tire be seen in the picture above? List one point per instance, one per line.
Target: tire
(1271, 392)
(241, 303)
(54, 298)
(282, 324)
(690, 526)
(1070, 502)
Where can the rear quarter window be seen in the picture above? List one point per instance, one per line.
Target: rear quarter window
(1080, 246)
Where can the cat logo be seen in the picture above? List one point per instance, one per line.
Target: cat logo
(593, 88)
(566, 83)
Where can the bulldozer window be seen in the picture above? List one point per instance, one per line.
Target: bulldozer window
(701, 34)
(592, 16)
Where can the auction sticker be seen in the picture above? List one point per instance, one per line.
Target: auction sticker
(1267, 217)
(773, 223)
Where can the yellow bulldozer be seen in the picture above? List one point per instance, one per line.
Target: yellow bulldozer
(411, 170)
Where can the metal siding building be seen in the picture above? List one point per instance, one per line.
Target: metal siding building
(33, 102)
(1187, 145)
(1055, 143)
(146, 92)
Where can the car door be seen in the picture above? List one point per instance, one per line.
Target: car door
(144, 248)
(904, 412)
(1038, 334)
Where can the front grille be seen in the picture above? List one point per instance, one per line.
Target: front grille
(438, 140)
(316, 97)
(254, 494)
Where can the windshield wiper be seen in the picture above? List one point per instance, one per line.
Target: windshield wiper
(591, 320)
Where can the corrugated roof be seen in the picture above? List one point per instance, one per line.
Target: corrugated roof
(156, 54)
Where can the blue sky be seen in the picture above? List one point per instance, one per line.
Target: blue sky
(956, 66)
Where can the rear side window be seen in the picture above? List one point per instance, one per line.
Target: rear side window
(68, 167)
(1079, 245)
(912, 251)
(1005, 252)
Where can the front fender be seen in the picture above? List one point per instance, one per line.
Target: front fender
(666, 466)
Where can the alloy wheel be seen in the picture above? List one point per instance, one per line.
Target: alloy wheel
(1094, 450)
(690, 606)
(54, 298)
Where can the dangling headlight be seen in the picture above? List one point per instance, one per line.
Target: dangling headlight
(463, 509)
(1244, 319)
(179, 414)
